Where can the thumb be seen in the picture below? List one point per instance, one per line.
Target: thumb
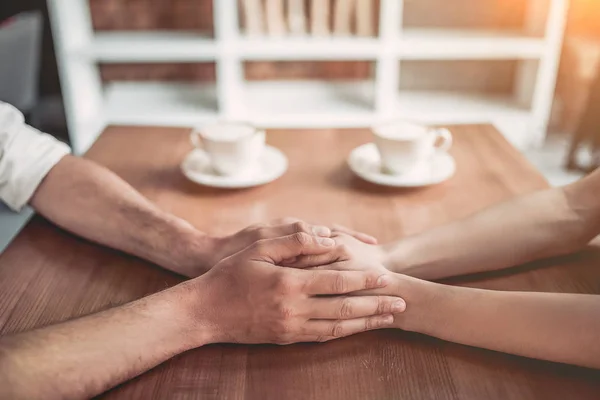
(299, 244)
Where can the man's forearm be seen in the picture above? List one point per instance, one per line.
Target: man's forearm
(549, 326)
(94, 203)
(538, 225)
(87, 356)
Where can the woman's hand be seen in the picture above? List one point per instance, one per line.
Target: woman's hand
(350, 254)
(223, 247)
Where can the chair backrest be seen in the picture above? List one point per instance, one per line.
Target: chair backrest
(20, 40)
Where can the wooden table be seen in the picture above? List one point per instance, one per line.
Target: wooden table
(48, 275)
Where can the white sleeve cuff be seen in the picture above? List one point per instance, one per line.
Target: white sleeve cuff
(24, 162)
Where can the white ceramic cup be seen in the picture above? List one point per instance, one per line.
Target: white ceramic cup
(234, 148)
(404, 146)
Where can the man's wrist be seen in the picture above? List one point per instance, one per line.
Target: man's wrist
(192, 255)
(190, 313)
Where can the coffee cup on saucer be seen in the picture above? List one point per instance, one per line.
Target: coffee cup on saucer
(406, 146)
(234, 148)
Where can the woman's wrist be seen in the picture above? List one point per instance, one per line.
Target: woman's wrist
(422, 302)
(395, 256)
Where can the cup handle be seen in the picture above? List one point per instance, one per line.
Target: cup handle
(444, 138)
(195, 140)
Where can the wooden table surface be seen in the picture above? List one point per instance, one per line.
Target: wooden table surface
(48, 275)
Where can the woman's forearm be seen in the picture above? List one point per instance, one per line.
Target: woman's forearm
(91, 201)
(543, 224)
(549, 326)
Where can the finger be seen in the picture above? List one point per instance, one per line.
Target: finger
(350, 307)
(363, 237)
(322, 261)
(316, 260)
(274, 231)
(341, 328)
(318, 282)
(287, 247)
(397, 284)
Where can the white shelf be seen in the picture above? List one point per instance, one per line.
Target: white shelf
(304, 104)
(149, 47)
(442, 44)
(308, 48)
(313, 105)
(439, 107)
(168, 104)
(435, 44)
(308, 104)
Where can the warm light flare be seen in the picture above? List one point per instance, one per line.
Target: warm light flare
(584, 17)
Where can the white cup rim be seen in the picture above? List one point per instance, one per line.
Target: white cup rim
(253, 130)
(376, 129)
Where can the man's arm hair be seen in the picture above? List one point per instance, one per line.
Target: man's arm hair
(93, 202)
(89, 355)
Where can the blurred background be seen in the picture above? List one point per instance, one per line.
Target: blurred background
(530, 67)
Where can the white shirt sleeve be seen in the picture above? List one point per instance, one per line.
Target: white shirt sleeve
(26, 157)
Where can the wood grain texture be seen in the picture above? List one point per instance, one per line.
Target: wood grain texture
(47, 275)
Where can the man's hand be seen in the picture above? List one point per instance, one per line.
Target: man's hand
(226, 246)
(248, 298)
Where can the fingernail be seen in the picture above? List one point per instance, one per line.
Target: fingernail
(383, 280)
(398, 306)
(327, 242)
(387, 320)
(321, 231)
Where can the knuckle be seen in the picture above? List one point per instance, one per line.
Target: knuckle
(340, 283)
(337, 330)
(286, 283)
(259, 246)
(346, 309)
(285, 312)
(382, 305)
(254, 227)
(261, 233)
(301, 226)
(369, 324)
(288, 220)
(302, 238)
(370, 280)
(321, 338)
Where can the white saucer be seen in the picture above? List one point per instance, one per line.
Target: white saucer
(365, 162)
(272, 164)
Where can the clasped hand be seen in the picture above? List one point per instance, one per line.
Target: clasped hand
(250, 297)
